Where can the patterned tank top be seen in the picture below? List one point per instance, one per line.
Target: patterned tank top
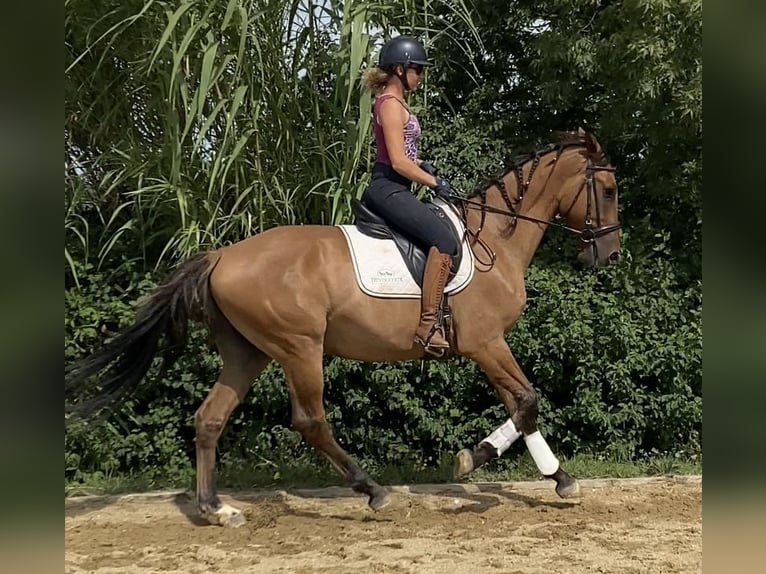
(411, 133)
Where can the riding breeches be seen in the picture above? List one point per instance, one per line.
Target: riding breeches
(389, 195)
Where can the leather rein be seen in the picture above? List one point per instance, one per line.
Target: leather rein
(588, 234)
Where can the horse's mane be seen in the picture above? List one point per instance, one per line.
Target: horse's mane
(562, 140)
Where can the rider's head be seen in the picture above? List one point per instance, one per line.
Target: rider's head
(403, 57)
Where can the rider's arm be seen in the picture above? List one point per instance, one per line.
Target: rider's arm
(390, 118)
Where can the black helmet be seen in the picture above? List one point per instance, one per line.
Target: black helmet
(403, 51)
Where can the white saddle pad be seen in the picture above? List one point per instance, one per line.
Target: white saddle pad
(380, 270)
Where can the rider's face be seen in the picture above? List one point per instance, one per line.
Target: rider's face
(414, 75)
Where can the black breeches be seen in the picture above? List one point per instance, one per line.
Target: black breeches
(389, 196)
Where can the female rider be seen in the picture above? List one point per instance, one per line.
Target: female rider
(399, 70)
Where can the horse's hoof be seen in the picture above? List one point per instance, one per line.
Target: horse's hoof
(379, 500)
(235, 521)
(569, 490)
(463, 463)
(227, 516)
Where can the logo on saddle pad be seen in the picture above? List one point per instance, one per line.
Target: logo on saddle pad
(386, 276)
(381, 271)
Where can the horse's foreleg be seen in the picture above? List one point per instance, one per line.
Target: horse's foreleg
(520, 400)
(492, 446)
(306, 383)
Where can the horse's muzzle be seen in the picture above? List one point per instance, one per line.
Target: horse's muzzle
(589, 256)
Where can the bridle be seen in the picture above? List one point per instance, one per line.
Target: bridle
(587, 235)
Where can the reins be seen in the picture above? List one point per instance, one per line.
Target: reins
(588, 234)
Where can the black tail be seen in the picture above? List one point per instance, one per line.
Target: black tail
(161, 327)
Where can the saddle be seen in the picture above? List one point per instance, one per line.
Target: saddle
(371, 224)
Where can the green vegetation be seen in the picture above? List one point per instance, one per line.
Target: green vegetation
(191, 124)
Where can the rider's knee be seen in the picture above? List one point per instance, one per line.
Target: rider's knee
(447, 245)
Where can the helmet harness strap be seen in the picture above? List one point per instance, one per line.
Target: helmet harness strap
(402, 76)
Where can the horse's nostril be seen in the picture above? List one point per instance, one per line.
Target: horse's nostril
(614, 257)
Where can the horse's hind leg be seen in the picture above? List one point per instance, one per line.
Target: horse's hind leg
(242, 363)
(520, 400)
(306, 383)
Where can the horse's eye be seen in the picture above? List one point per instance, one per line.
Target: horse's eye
(609, 192)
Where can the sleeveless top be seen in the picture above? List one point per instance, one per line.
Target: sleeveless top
(411, 133)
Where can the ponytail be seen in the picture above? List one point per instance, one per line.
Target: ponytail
(375, 79)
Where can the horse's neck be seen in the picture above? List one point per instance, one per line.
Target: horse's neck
(516, 248)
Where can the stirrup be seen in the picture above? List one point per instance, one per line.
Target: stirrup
(437, 351)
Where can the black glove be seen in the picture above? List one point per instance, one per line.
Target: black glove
(442, 189)
(428, 168)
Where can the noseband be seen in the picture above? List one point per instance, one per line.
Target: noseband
(587, 235)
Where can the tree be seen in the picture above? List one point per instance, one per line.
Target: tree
(630, 70)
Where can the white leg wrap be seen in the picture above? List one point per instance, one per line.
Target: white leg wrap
(226, 516)
(541, 453)
(503, 437)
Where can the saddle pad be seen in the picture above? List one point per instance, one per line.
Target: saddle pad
(380, 270)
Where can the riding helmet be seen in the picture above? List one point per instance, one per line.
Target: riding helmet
(403, 51)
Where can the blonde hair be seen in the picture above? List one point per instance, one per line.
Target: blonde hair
(374, 79)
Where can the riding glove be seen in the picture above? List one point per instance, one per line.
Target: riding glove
(442, 189)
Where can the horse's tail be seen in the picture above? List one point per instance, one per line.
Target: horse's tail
(160, 327)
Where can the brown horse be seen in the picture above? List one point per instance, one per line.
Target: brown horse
(290, 295)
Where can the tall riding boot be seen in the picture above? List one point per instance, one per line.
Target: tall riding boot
(430, 333)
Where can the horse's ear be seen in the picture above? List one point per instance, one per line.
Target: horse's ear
(581, 133)
(591, 143)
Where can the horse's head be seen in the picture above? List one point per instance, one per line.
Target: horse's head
(588, 201)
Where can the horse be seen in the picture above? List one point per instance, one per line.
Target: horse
(289, 295)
